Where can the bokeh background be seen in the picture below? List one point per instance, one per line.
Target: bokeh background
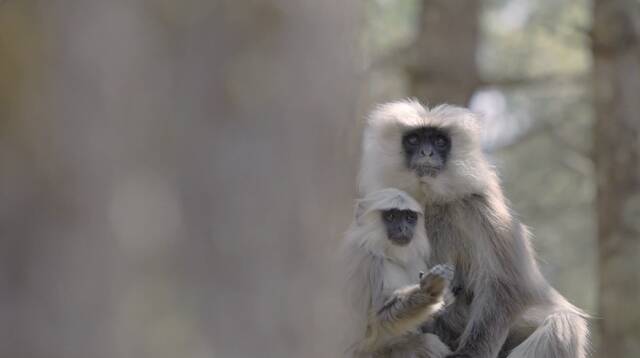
(175, 176)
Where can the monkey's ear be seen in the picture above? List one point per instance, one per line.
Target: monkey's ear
(359, 211)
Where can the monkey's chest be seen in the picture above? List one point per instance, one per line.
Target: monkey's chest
(450, 242)
(398, 275)
(446, 243)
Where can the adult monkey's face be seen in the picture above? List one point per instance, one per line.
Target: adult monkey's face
(400, 225)
(426, 150)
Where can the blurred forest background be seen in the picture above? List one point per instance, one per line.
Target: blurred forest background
(175, 176)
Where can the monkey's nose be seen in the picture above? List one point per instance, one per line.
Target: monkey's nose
(426, 152)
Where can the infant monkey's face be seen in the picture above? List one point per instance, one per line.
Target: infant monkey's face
(400, 225)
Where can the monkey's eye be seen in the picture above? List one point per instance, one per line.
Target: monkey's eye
(440, 142)
(412, 139)
(412, 217)
(389, 216)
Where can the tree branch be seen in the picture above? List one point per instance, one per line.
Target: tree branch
(544, 80)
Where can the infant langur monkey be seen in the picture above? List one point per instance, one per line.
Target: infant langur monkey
(386, 250)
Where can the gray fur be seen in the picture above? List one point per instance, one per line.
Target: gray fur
(505, 307)
(391, 300)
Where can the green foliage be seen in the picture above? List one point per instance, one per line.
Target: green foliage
(389, 24)
(527, 38)
(549, 175)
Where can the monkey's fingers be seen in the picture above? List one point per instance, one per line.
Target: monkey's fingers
(446, 270)
(433, 284)
(425, 278)
(436, 287)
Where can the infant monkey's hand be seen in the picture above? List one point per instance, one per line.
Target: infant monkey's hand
(445, 270)
(438, 278)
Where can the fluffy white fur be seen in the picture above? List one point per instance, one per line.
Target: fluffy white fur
(383, 165)
(380, 272)
(507, 306)
(372, 237)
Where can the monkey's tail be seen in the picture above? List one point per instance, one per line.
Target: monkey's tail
(562, 334)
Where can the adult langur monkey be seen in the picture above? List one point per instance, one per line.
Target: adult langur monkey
(505, 307)
(385, 250)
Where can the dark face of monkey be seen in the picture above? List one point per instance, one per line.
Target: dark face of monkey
(400, 225)
(426, 150)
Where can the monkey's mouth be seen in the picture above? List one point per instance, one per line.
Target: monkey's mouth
(400, 240)
(427, 170)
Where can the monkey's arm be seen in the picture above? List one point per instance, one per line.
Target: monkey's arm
(407, 308)
(449, 323)
(492, 313)
(502, 279)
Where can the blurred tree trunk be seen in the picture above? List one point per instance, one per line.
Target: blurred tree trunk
(442, 61)
(616, 52)
(275, 90)
(178, 178)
